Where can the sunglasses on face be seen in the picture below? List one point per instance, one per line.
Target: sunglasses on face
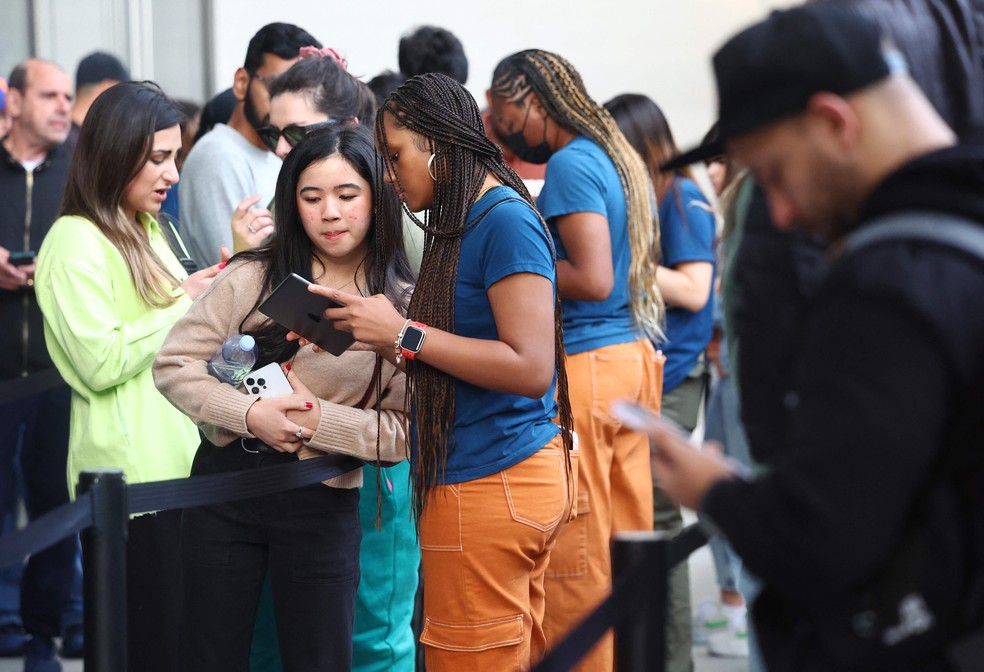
(293, 134)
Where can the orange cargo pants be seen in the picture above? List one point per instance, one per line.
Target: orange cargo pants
(484, 548)
(615, 486)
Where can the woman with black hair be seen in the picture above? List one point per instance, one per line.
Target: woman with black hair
(335, 228)
(492, 465)
(110, 287)
(688, 231)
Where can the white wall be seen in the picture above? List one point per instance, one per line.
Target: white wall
(658, 47)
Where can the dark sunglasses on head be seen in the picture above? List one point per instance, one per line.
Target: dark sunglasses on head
(270, 135)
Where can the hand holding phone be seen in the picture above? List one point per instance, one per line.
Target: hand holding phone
(268, 382)
(13, 275)
(683, 472)
(18, 258)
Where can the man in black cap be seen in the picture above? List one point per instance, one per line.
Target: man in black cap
(96, 72)
(869, 531)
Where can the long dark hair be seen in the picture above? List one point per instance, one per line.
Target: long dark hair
(115, 142)
(645, 127)
(445, 117)
(385, 268)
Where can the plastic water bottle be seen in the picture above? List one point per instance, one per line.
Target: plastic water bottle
(234, 359)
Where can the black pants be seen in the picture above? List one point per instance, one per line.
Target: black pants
(308, 539)
(153, 592)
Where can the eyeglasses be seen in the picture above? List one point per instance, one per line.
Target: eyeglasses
(292, 133)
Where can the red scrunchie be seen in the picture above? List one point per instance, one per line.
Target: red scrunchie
(326, 52)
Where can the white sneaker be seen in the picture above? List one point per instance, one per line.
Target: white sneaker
(709, 619)
(728, 644)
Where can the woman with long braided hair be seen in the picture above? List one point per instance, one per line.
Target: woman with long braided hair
(493, 476)
(599, 204)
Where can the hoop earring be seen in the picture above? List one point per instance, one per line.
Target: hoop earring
(430, 164)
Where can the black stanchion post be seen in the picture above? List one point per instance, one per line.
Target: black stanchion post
(104, 571)
(640, 641)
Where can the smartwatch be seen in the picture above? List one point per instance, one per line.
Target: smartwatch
(411, 338)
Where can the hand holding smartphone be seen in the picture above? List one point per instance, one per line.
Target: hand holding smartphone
(18, 258)
(268, 382)
(643, 419)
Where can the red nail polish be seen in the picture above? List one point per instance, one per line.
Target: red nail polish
(309, 404)
(223, 265)
(287, 366)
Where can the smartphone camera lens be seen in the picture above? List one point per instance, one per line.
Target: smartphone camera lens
(250, 382)
(255, 390)
(261, 382)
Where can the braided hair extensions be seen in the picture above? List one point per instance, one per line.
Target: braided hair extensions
(561, 92)
(445, 120)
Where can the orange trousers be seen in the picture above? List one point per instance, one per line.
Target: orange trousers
(615, 486)
(484, 548)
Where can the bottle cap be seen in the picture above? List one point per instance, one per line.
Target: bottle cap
(247, 343)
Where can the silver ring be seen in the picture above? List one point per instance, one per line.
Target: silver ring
(299, 433)
(251, 229)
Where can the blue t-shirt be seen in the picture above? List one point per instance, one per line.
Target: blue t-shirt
(492, 430)
(686, 235)
(581, 178)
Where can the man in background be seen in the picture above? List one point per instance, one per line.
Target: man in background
(96, 72)
(34, 159)
(231, 162)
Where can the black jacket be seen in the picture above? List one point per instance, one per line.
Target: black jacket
(22, 348)
(888, 382)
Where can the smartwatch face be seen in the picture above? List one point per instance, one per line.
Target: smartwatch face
(412, 338)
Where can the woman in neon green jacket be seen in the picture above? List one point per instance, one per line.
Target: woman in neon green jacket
(110, 288)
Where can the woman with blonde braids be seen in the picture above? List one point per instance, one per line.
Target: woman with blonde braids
(493, 479)
(599, 204)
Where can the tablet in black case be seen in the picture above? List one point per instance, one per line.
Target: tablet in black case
(291, 305)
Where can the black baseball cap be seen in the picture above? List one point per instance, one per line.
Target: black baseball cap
(770, 70)
(100, 66)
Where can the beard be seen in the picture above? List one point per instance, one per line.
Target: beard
(252, 115)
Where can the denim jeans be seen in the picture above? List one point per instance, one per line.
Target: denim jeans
(724, 426)
(36, 431)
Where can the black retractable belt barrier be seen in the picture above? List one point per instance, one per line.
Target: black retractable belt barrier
(101, 513)
(639, 586)
(103, 566)
(59, 523)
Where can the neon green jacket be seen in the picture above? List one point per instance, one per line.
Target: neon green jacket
(103, 339)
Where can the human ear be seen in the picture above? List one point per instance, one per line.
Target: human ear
(538, 106)
(15, 103)
(240, 84)
(835, 117)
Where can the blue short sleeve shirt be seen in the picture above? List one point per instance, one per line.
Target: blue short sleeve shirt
(581, 178)
(687, 230)
(492, 430)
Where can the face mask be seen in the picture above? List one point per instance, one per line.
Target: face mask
(517, 143)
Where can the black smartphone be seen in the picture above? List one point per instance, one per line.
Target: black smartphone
(22, 258)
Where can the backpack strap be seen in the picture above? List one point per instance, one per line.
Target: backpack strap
(967, 236)
(953, 231)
